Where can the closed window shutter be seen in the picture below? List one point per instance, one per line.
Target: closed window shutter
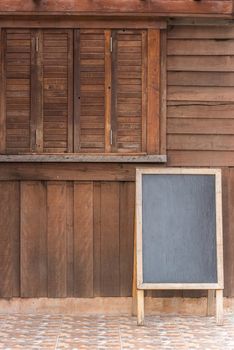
(17, 82)
(89, 66)
(57, 85)
(129, 63)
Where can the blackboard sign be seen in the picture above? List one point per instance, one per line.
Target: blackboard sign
(179, 229)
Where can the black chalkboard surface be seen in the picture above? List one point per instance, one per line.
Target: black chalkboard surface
(179, 228)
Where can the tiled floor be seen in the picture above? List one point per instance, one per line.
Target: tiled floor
(101, 333)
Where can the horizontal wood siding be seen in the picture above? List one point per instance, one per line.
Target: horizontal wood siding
(200, 120)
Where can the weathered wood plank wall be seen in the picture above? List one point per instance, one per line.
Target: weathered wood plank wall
(201, 96)
(67, 229)
(200, 119)
(76, 238)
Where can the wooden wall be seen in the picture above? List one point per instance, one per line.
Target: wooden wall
(200, 112)
(67, 229)
(66, 238)
(200, 124)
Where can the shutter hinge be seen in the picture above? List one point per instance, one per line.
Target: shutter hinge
(37, 43)
(111, 137)
(111, 44)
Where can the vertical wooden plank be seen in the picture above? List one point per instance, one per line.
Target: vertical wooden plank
(2, 92)
(37, 95)
(228, 222)
(127, 200)
(70, 237)
(144, 89)
(163, 92)
(153, 91)
(83, 239)
(107, 91)
(33, 264)
(36, 124)
(9, 239)
(57, 239)
(114, 78)
(97, 239)
(110, 272)
(70, 84)
(76, 90)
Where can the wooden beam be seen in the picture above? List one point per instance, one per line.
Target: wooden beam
(153, 132)
(84, 158)
(221, 7)
(74, 21)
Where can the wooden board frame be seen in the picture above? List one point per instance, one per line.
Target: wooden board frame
(219, 232)
(139, 286)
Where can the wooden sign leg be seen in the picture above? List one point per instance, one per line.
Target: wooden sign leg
(134, 277)
(140, 307)
(219, 307)
(210, 302)
(134, 291)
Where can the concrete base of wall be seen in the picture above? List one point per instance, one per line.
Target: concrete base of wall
(108, 306)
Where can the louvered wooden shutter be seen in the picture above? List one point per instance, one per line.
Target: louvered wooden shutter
(89, 85)
(17, 58)
(57, 85)
(129, 62)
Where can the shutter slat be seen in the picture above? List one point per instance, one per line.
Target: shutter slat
(128, 100)
(57, 91)
(18, 55)
(90, 91)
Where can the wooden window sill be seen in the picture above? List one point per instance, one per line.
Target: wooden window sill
(82, 158)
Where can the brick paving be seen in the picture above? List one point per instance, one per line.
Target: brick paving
(105, 332)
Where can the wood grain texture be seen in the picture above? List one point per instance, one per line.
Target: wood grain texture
(18, 83)
(90, 58)
(57, 239)
(110, 273)
(112, 208)
(67, 21)
(70, 237)
(200, 95)
(228, 186)
(33, 240)
(108, 90)
(83, 240)
(9, 239)
(216, 7)
(126, 212)
(2, 94)
(57, 88)
(97, 239)
(153, 131)
(129, 100)
(72, 172)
